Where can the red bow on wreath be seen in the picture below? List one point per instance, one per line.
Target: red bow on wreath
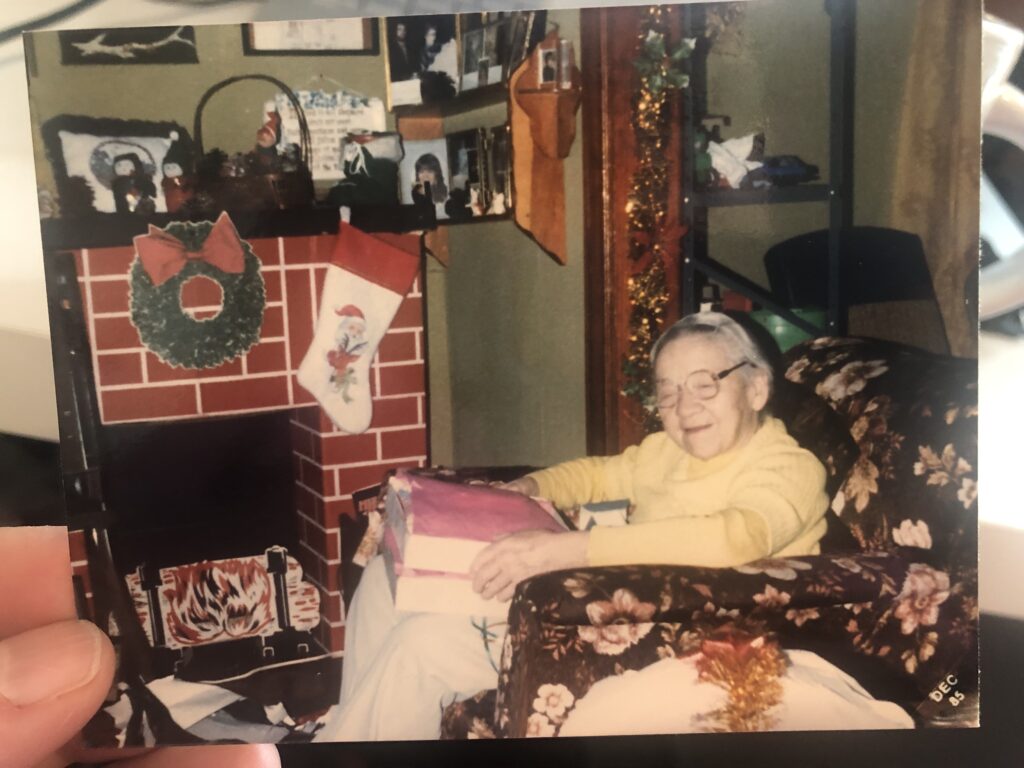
(163, 255)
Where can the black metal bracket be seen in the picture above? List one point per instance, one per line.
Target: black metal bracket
(838, 193)
(277, 567)
(736, 282)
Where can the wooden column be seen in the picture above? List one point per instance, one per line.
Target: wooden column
(609, 46)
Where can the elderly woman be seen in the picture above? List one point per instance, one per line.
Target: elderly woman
(723, 484)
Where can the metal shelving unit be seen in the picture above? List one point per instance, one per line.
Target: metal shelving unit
(837, 192)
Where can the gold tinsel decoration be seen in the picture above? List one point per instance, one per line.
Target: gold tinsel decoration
(749, 672)
(659, 74)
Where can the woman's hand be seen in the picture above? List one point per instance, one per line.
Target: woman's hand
(524, 485)
(55, 671)
(499, 568)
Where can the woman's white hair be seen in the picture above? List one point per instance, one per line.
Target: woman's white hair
(724, 331)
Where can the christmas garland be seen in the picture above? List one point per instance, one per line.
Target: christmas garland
(181, 340)
(660, 70)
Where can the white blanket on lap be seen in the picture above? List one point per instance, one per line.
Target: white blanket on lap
(669, 697)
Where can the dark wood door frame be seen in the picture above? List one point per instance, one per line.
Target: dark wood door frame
(609, 38)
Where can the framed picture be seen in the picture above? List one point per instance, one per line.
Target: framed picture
(424, 174)
(327, 37)
(527, 29)
(500, 170)
(422, 59)
(131, 45)
(94, 157)
(547, 66)
(494, 44)
(480, 183)
(467, 155)
(472, 58)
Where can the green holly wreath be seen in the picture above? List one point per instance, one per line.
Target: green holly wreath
(181, 340)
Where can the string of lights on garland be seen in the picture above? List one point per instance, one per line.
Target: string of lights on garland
(660, 71)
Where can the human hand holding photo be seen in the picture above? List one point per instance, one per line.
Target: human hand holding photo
(55, 670)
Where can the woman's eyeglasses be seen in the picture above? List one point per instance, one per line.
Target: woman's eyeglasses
(702, 385)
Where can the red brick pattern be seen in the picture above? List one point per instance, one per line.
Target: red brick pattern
(331, 465)
(135, 385)
(328, 464)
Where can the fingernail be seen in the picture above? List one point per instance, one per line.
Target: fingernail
(46, 662)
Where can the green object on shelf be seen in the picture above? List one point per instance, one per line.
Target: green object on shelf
(786, 334)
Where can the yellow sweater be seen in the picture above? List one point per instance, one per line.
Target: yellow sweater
(765, 498)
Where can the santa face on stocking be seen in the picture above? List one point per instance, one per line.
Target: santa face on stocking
(349, 345)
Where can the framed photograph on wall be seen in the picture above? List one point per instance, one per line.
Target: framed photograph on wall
(422, 57)
(485, 48)
(131, 45)
(526, 30)
(494, 44)
(327, 37)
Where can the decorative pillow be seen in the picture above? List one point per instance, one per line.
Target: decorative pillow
(85, 148)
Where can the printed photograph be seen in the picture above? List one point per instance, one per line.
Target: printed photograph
(500, 170)
(469, 194)
(688, 445)
(425, 175)
(547, 66)
(526, 30)
(422, 58)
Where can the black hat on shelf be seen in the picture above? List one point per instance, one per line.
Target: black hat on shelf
(180, 153)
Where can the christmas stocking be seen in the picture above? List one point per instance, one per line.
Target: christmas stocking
(366, 281)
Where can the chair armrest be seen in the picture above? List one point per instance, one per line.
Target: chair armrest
(677, 593)
(915, 621)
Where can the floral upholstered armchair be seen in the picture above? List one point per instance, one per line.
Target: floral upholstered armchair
(891, 601)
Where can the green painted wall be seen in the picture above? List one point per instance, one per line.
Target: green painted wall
(514, 332)
(505, 321)
(171, 92)
(769, 72)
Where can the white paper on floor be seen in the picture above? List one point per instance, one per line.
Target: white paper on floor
(189, 703)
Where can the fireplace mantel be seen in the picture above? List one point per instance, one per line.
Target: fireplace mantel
(112, 230)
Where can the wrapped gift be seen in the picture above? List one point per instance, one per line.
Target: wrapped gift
(429, 591)
(442, 526)
(434, 529)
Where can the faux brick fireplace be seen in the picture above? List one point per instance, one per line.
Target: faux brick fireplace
(134, 385)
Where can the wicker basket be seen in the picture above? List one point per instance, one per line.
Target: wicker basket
(259, 191)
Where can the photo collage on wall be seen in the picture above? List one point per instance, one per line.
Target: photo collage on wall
(433, 58)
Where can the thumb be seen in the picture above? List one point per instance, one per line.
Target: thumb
(52, 680)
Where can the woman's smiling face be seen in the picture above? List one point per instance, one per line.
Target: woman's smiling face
(708, 428)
